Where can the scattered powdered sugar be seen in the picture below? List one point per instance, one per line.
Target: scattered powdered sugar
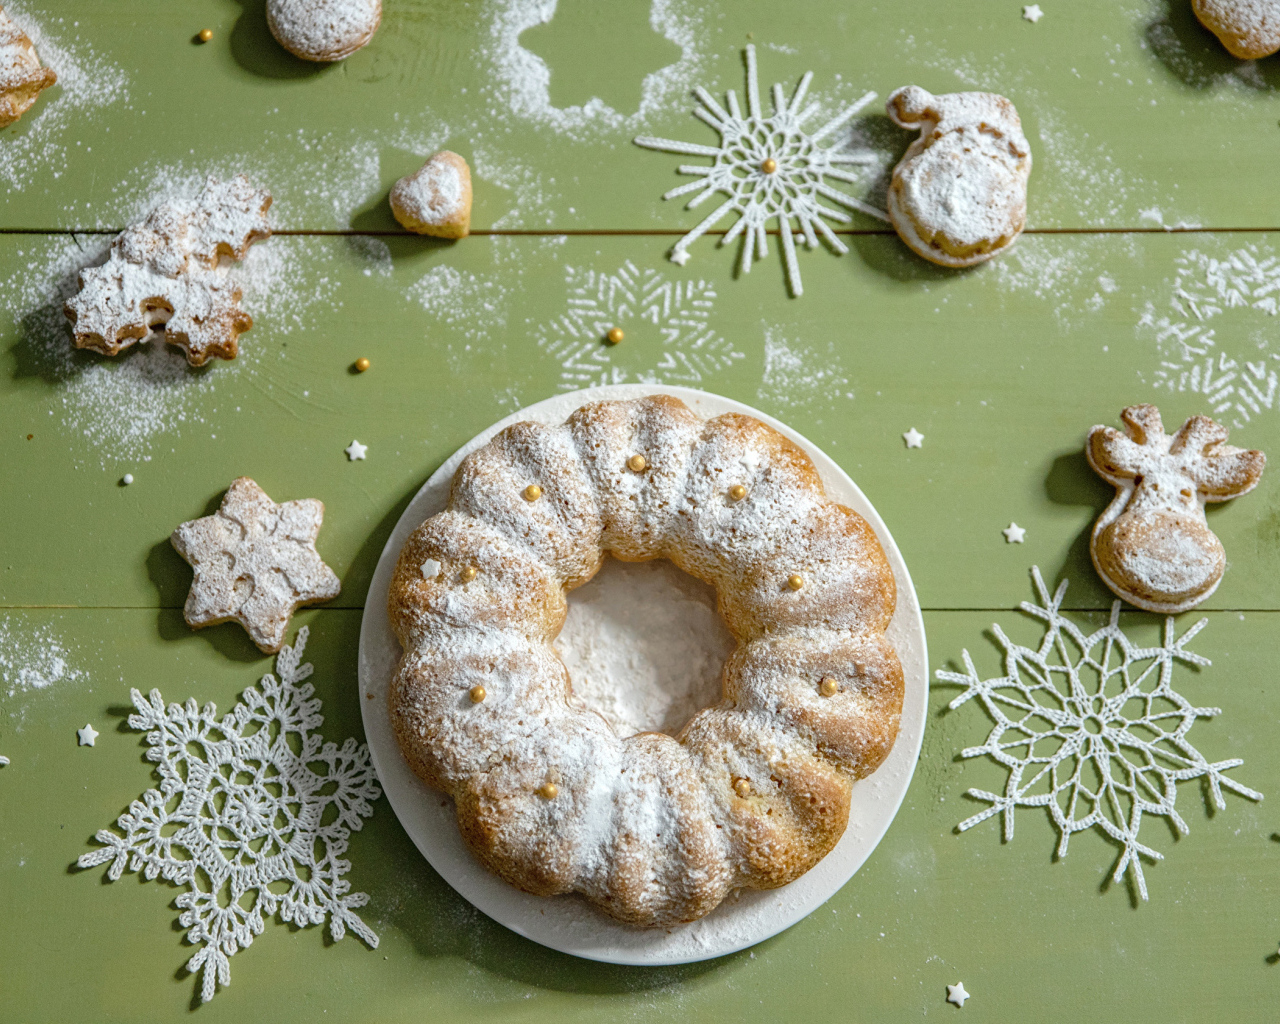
(36, 149)
(33, 657)
(1057, 269)
(644, 646)
(475, 303)
(520, 80)
(797, 375)
(1240, 378)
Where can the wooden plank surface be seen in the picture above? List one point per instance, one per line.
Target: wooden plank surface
(1138, 122)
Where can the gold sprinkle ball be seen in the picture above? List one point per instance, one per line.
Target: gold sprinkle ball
(205, 35)
(743, 788)
(637, 463)
(795, 581)
(532, 493)
(478, 693)
(469, 573)
(769, 166)
(548, 791)
(828, 687)
(615, 335)
(362, 364)
(737, 492)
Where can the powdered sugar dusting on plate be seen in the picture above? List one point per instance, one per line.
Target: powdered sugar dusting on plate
(37, 147)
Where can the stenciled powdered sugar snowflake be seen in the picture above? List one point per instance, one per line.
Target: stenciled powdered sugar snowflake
(245, 804)
(770, 168)
(1205, 287)
(629, 298)
(1090, 727)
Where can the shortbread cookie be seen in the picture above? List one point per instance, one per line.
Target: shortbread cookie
(1249, 29)
(1153, 545)
(170, 271)
(435, 200)
(21, 76)
(255, 562)
(959, 194)
(323, 30)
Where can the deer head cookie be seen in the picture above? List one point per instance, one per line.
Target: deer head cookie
(1152, 545)
(959, 194)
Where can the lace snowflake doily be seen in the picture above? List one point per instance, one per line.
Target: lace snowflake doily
(681, 311)
(770, 168)
(244, 804)
(1090, 727)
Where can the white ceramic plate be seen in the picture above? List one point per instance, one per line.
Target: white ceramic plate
(568, 923)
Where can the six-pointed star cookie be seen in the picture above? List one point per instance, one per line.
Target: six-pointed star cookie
(255, 562)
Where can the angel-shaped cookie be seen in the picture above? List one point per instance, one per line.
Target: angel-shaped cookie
(959, 193)
(1153, 545)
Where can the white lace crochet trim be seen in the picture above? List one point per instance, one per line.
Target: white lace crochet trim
(241, 805)
(1090, 728)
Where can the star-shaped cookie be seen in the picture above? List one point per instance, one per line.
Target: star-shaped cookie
(255, 562)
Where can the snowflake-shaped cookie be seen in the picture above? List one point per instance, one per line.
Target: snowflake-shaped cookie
(255, 562)
(1090, 727)
(681, 311)
(241, 807)
(770, 168)
(169, 271)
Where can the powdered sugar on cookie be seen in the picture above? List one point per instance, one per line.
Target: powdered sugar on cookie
(323, 30)
(168, 271)
(437, 199)
(21, 77)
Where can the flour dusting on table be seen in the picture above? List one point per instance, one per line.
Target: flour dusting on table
(797, 374)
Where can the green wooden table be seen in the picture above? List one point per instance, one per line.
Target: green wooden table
(1145, 275)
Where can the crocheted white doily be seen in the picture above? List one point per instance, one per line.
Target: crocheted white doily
(1089, 727)
(242, 804)
(770, 167)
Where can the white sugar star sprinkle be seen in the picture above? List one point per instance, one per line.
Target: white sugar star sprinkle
(355, 450)
(914, 438)
(87, 735)
(1032, 13)
(956, 994)
(770, 168)
(255, 562)
(1014, 533)
(430, 569)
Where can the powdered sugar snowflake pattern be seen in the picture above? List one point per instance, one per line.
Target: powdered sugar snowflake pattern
(1090, 727)
(690, 349)
(244, 803)
(1237, 387)
(770, 168)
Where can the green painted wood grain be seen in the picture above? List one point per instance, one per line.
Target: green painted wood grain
(1131, 108)
(1030, 936)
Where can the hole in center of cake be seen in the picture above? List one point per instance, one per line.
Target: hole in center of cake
(644, 646)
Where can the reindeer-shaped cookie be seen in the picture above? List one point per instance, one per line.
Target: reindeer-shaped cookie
(959, 194)
(1152, 545)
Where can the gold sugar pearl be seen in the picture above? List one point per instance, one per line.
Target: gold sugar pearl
(637, 463)
(795, 581)
(615, 335)
(478, 693)
(743, 788)
(548, 791)
(737, 492)
(205, 35)
(469, 573)
(532, 493)
(769, 166)
(828, 687)
(362, 364)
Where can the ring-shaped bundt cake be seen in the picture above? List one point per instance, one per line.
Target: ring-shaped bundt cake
(650, 828)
